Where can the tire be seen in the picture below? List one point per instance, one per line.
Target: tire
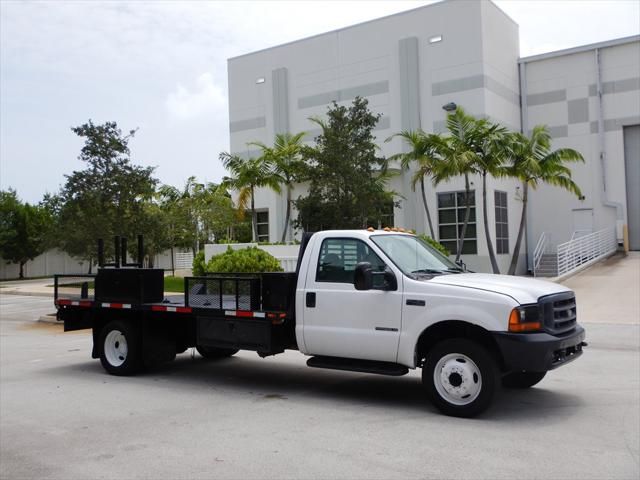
(460, 377)
(120, 352)
(214, 352)
(522, 379)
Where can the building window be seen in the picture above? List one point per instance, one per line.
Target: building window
(385, 219)
(263, 226)
(502, 222)
(451, 211)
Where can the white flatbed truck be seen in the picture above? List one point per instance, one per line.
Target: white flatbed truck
(360, 300)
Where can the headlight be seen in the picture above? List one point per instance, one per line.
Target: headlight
(525, 318)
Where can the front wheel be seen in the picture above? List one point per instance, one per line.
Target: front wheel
(460, 377)
(120, 348)
(522, 379)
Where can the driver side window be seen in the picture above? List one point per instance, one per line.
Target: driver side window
(339, 257)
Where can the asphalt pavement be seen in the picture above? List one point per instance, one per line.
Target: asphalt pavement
(61, 416)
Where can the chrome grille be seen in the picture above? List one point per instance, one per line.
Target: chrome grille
(559, 312)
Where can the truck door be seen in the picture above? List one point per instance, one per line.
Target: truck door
(340, 321)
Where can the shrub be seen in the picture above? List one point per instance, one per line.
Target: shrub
(198, 267)
(435, 244)
(245, 260)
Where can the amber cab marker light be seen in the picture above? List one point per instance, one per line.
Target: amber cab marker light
(515, 324)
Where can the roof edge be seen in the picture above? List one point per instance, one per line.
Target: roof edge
(337, 30)
(582, 48)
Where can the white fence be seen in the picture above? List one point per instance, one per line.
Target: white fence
(184, 260)
(583, 251)
(56, 261)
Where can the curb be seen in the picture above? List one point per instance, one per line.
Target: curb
(26, 294)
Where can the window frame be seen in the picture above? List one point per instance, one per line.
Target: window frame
(473, 241)
(265, 237)
(501, 239)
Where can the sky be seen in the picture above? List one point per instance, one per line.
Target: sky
(160, 66)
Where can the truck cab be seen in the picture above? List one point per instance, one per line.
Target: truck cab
(384, 296)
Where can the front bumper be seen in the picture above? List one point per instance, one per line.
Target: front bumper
(539, 352)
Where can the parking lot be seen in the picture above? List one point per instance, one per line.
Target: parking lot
(61, 416)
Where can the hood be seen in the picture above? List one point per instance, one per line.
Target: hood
(523, 290)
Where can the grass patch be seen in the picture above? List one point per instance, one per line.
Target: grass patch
(174, 284)
(171, 284)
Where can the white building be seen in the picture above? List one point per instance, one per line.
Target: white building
(409, 65)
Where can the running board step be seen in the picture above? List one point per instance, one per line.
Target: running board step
(354, 365)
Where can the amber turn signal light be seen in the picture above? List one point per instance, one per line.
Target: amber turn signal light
(517, 325)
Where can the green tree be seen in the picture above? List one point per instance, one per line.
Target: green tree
(107, 198)
(247, 175)
(347, 178)
(533, 162)
(464, 133)
(23, 229)
(285, 157)
(197, 213)
(426, 150)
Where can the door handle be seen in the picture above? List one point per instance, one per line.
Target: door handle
(311, 299)
(416, 303)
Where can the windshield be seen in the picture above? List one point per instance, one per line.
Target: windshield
(413, 256)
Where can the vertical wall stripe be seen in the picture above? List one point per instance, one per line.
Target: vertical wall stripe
(280, 100)
(409, 84)
(409, 117)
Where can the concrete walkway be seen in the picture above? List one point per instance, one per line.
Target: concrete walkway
(37, 287)
(609, 291)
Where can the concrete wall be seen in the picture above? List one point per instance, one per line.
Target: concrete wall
(57, 262)
(561, 92)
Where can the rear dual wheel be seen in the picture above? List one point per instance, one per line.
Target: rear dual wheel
(120, 348)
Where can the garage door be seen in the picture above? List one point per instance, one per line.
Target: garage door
(632, 171)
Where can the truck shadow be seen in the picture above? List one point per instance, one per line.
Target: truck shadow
(275, 380)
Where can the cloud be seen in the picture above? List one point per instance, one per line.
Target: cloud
(206, 97)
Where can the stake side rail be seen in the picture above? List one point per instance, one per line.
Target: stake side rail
(227, 296)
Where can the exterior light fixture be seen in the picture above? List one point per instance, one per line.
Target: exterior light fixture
(260, 80)
(435, 39)
(450, 107)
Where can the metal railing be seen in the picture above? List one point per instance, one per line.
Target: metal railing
(580, 233)
(585, 250)
(76, 287)
(541, 248)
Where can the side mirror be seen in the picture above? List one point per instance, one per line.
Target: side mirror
(390, 282)
(461, 264)
(363, 276)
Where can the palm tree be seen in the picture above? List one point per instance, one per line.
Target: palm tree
(459, 156)
(532, 162)
(492, 150)
(284, 156)
(426, 150)
(247, 175)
